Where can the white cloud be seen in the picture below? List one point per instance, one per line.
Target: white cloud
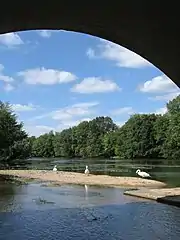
(123, 110)
(11, 39)
(95, 85)
(90, 53)
(46, 76)
(44, 33)
(6, 79)
(23, 108)
(1, 67)
(85, 104)
(118, 54)
(37, 130)
(161, 111)
(119, 123)
(76, 110)
(66, 117)
(8, 87)
(71, 115)
(166, 97)
(72, 123)
(159, 84)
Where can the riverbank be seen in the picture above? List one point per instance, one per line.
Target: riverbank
(80, 178)
(169, 196)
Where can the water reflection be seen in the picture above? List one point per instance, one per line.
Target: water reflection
(86, 192)
(116, 167)
(38, 211)
(7, 194)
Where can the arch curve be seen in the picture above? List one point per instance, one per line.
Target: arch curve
(147, 29)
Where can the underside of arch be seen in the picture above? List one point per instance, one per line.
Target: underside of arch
(150, 30)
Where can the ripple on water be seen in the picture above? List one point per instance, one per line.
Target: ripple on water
(100, 213)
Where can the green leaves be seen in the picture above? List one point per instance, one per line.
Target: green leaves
(13, 139)
(143, 136)
(84, 140)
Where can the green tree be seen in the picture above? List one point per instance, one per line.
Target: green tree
(43, 146)
(161, 126)
(109, 143)
(13, 139)
(172, 143)
(63, 143)
(136, 139)
(143, 136)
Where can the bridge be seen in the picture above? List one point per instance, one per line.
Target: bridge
(149, 29)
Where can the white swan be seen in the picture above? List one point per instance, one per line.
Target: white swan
(143, 174)
(55, 168)
(86, 170)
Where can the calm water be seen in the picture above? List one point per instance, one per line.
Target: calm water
(35, 211)
(168, 173)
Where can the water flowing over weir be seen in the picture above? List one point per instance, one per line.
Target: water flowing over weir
(40, 211)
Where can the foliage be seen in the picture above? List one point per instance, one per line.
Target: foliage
(43, 145)
(143, 136)
(14, 142)
(172, 142)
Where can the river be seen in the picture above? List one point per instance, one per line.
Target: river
(40, 211)
(166, 173)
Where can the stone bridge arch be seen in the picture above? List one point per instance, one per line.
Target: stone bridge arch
(149, 29)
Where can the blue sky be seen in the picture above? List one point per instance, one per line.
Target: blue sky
(56, 79)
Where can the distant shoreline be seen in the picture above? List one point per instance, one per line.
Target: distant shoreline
(62, 177)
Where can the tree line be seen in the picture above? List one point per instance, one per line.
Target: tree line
(143, 136)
